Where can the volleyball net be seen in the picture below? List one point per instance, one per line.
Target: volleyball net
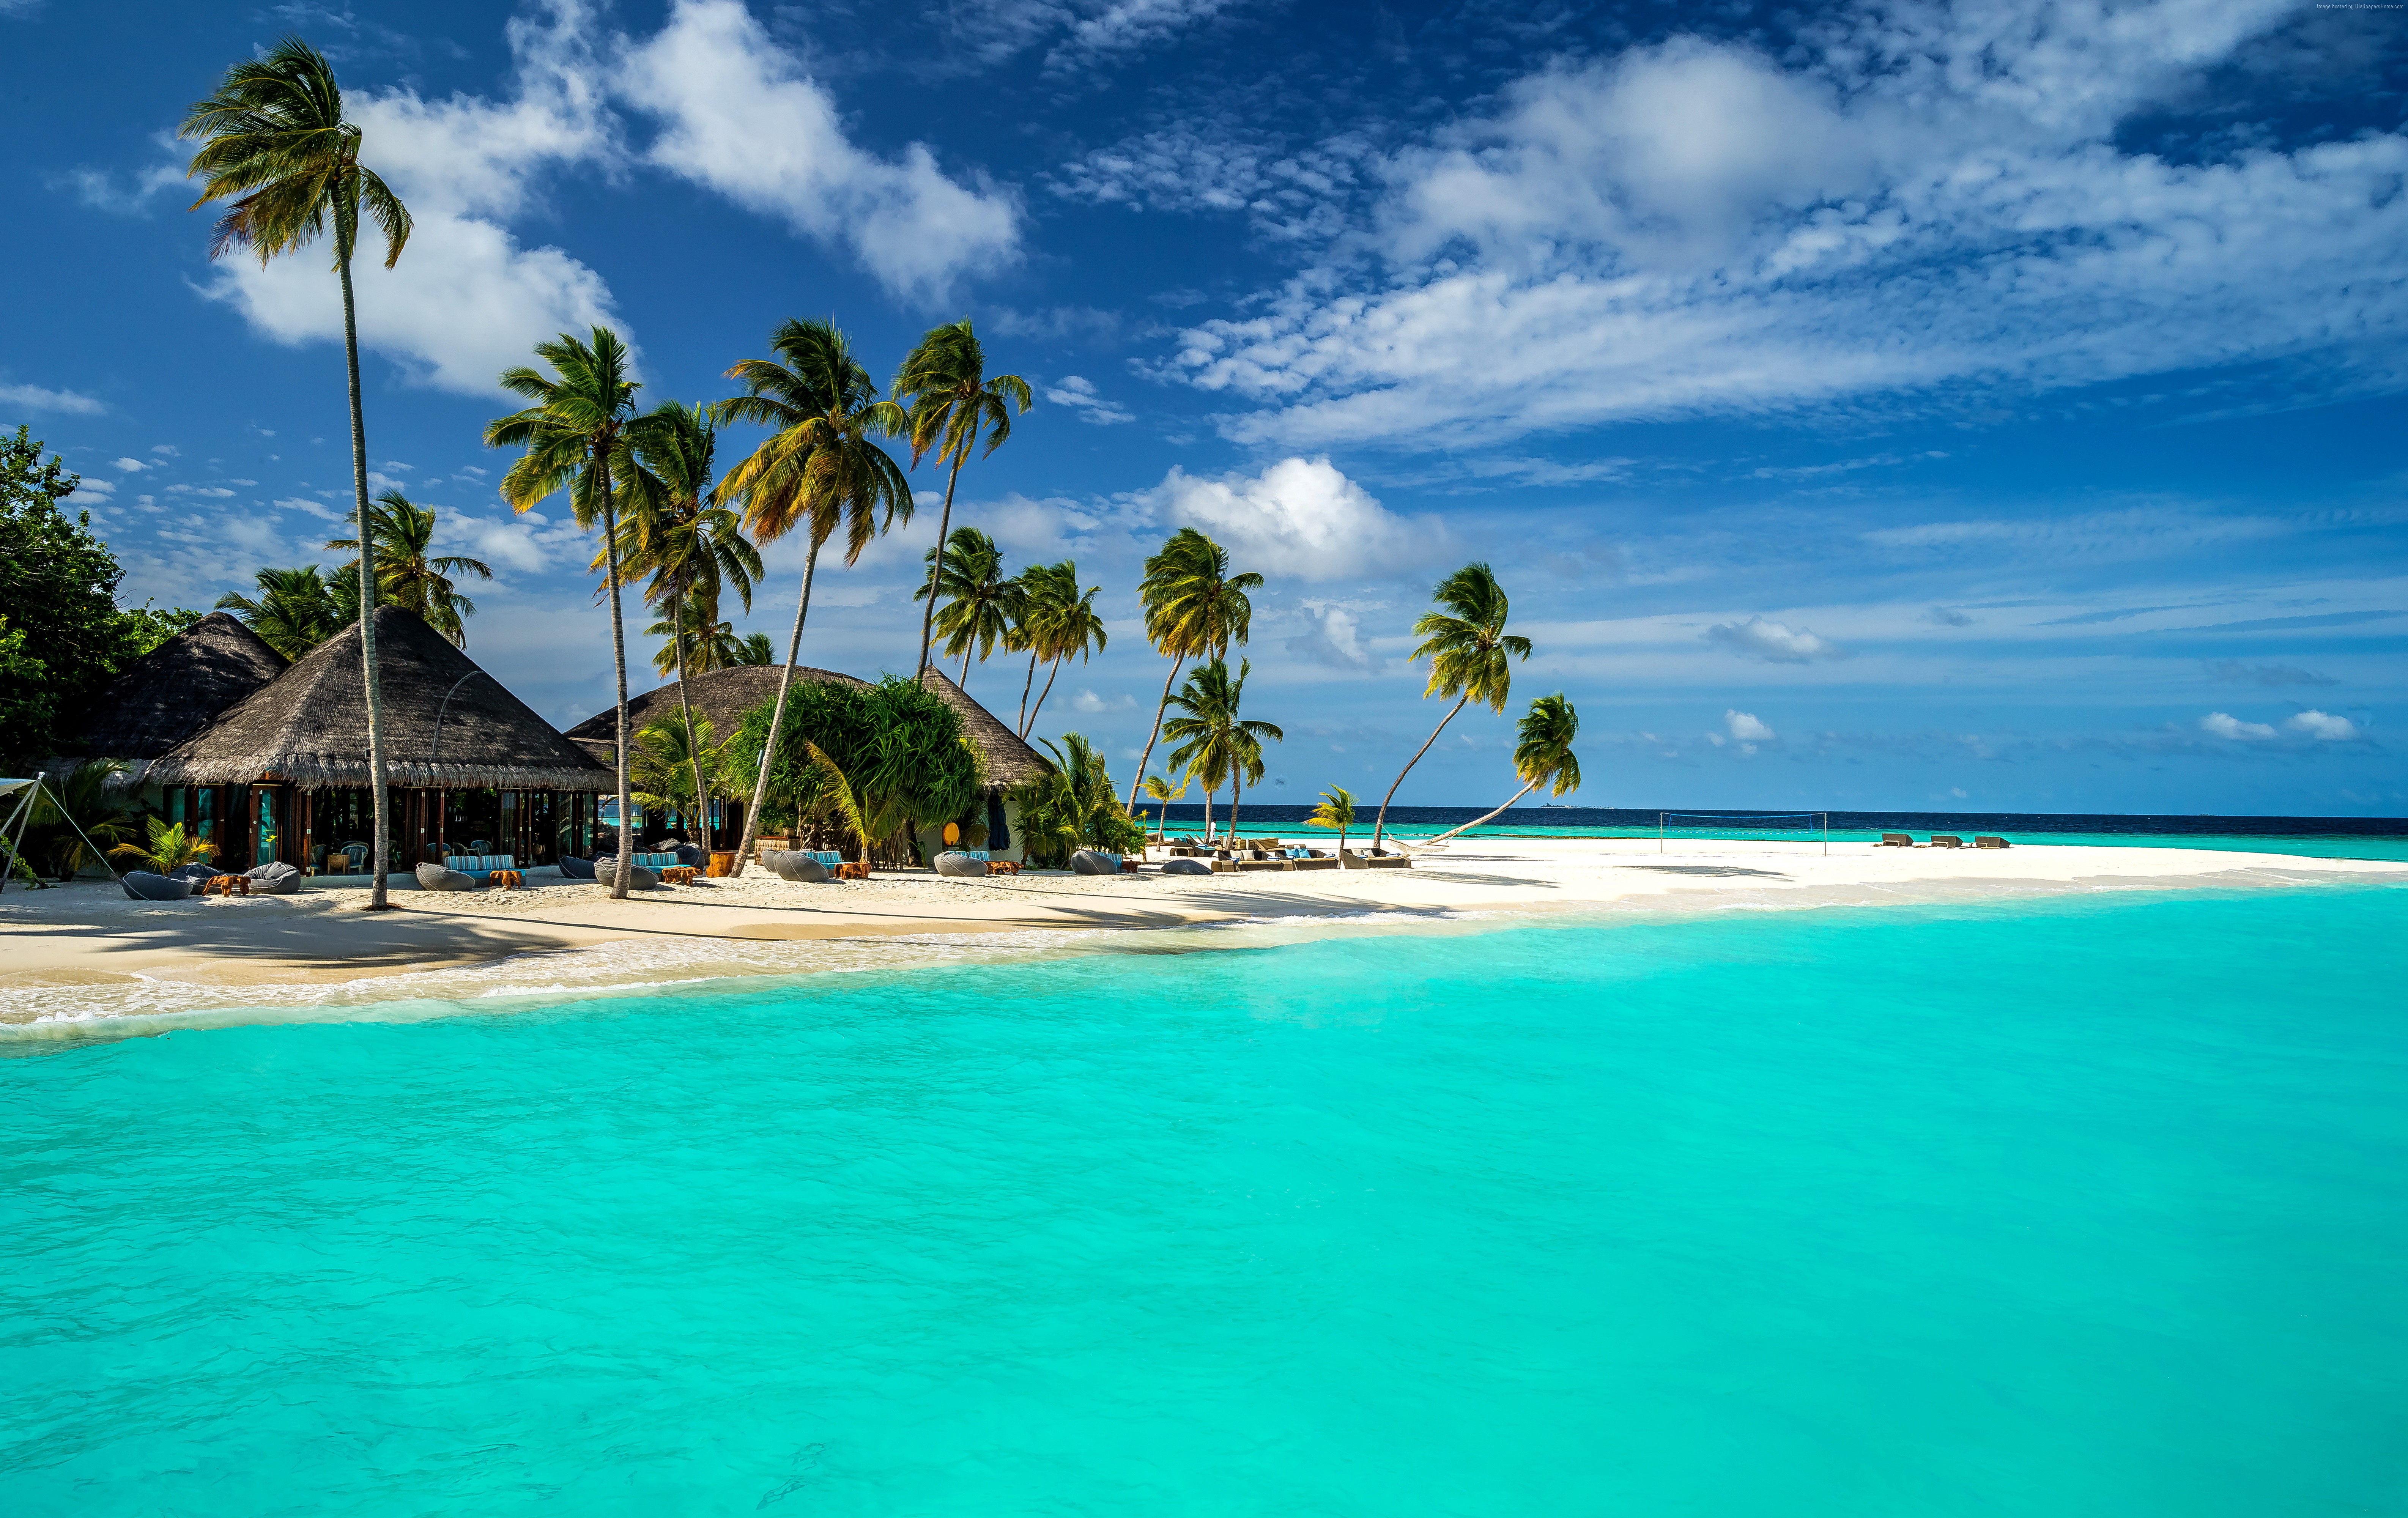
(1789, 826)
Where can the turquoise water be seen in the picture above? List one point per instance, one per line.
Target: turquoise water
(2311, 846)
(2081, 1208)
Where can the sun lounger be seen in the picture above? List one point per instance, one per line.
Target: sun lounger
(1897, 840)
(1946, 840)
(1984, 841)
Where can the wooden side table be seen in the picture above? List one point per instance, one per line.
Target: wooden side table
(679, 875)
(508, 879)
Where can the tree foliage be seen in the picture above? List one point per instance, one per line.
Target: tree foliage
(896, 747)
(1073, 805)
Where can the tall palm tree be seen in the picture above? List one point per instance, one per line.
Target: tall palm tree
(575, 435)
(1215, 743)
(951, 401)
(407, 576)
(1193, 607)
(819, 468)
(274, 136)
(979, 601)
(293, 612)
(676, 531)
(1468, 647)
(1059, 622)
(1543, 752)
(1157, 790)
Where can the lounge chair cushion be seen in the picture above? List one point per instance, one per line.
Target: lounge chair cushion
(574, 869)
(1186, 866)
(1094, 862)
(436, 877)
(796, 866)
(275, 879)
(142, 885)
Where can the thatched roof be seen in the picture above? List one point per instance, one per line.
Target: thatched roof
(1008, 761)
(724, 696)
(171, 693)
(309, 726)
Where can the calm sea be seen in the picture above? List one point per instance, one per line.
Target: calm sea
(2091, 1206)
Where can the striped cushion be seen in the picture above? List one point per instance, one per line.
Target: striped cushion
(481, 864)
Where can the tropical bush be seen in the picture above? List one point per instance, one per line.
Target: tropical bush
(1073, 805)
(167, 848)
(894, 752)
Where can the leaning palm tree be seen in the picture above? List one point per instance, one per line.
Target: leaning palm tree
(1157, 790)
(1216, 744)
(274, 136)
(574, 434)
(818, 469)
(951, 401)
(1468, 646)
(978, 602)
(676, 531)
(293, 612)
(1337, 810)
(1193, 607)
(1057, 622)
(409, 577)
(1543, 753)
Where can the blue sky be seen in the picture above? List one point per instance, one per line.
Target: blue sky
(1993, 405)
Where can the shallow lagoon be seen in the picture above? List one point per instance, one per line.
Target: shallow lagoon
(2042, 1207)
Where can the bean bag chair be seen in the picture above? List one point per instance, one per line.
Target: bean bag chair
(142, 885)
(1186, 866)
(1092, 862)
(275, 879)
(439, 878)
(960, 865)
(572, 868)
(797, 866)
(605, 869)
(195, 871)
(688, 855)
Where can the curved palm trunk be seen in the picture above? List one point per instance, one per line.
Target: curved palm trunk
(1208, 818)
(1151, 739)
(375, 686)
(1237, 794)
(777, 714)
(1024, 686)
(1050, 673)
(1379, 829)
(619, 667)
(965, 681)
(677, 641)
(1499, 811)
(944, 524)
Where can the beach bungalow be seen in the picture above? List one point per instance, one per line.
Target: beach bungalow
(282, 773)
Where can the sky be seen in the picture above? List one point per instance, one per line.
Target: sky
(1995, 405)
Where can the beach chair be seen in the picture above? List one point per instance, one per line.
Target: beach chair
(1897, 840)
(1946, 840)
(1984, 841)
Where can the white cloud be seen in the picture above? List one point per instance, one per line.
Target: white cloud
(134, 466)
(1088, 701)
(1079, 394)
(1775, 642)
(1301, 517)
(741, 117)
(165, 450)
(2224, 724)
(93, 491)
(1745, 726)
(1332, 638)
(36, 398)
(2320, 725)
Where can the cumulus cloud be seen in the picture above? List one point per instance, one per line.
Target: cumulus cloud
(2324, 725)
(1088, 701)
(93, 491)
(1302, 516)
(1774, 642)
(1745, 726)
(36, 398)
(2225, 724)
(741, 117)
(1333, 637)
(1081, 397)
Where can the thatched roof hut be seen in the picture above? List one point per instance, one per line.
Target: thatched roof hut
(310, 727)
(1008, 761)
(724, 696)
(171, 693)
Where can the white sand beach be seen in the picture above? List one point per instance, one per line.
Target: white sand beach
(84, 951)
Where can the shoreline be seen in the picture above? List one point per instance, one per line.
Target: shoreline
(81, 958)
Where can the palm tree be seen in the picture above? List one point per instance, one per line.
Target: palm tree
(574, 434)
(1193, 607)
(274, 136)
(169, 847)
(1216, 744)
(753, 648)
(979, 601)
(1337, 810)
(406, 575)
(816, 469)
(1056, 622)
(1468, 646)
(674, 531)
(675, 762)
(1157, 790)
(1542, 754)
(943, 382)
(292, 613)
(703, 643)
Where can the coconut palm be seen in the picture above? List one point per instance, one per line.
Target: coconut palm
(1157, 790)
(274, 137)
(674, 531)
(575, 435)
(675, 762)
(943, 382)
(1542, 754)
(407, 576)
(1468, 647)
(818, 469)
(1337, 810)
(980, 603)
(1193, 607)
(294, 612)
(753, 649)
(1056, 622)
(1215, 743)
(167, 849)
(703, 643)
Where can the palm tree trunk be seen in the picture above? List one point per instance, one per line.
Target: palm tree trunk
(677, 641)
(944, 523)
(1208, 818)
(1024, 686)
(1477, 820)
(625, 872)
(965, 681)
(777, 714)
(368, 675)
(1160, 706)
(1051, 672)
(1237, 794)
(1379, 829)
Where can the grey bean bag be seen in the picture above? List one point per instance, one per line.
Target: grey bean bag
(1186, 866)
(573, 868)
(142, 885)
(797, 866)
(689, 854)
(275, 879)
(193, 872)
(437, 877)
(605, 869)
(956, 864)
(1090, 862)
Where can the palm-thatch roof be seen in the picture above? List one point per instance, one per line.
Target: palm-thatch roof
(1009, 760)
(171, 693)
(309, 726)
(724, 696)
